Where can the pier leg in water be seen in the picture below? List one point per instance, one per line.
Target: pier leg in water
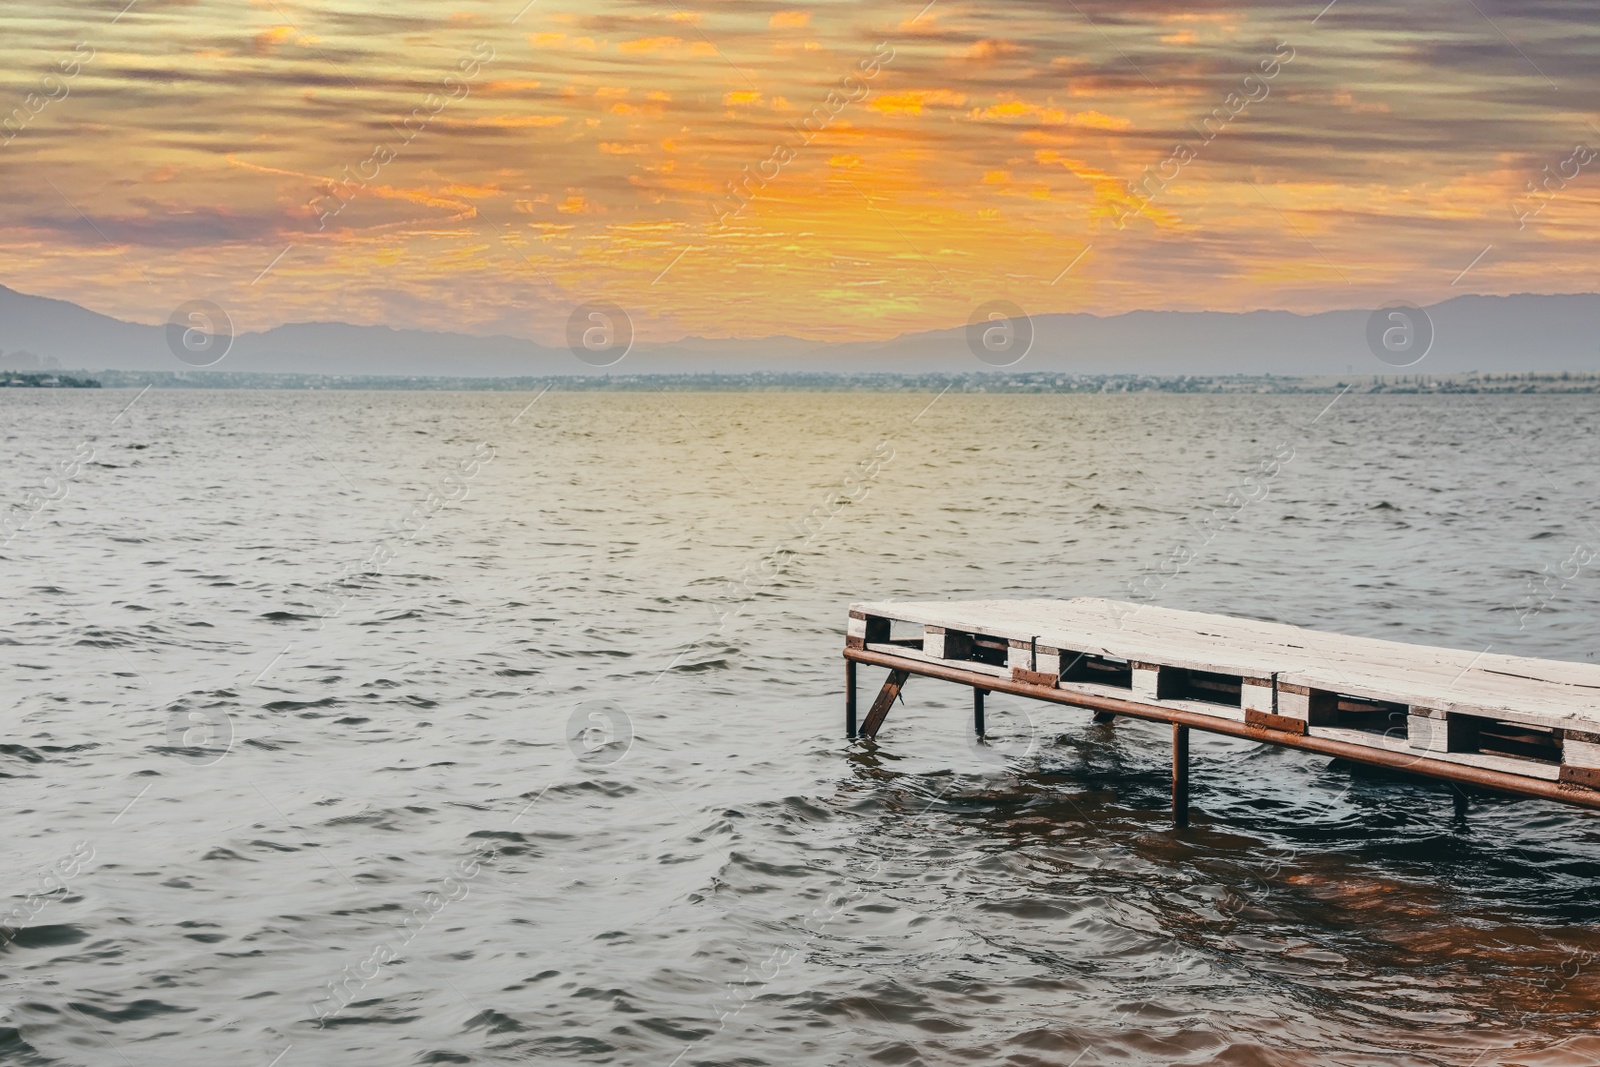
(977, 711)
(1103, 717)
(1180, 776)
(849, 698)
(881, 706)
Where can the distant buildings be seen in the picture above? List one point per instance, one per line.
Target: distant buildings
(46, 381)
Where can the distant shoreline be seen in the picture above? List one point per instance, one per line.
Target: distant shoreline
(49, 380)
(976, 382)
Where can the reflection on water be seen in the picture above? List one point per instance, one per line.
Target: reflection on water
(302, 761)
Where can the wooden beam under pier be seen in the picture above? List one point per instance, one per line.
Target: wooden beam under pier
(1180, 775)
(849, 698)
(885, 701)
(1393, 759)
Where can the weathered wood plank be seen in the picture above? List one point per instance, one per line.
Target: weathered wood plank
(1022, 674)
(1267, 721)
(1584, 776)
(1507, 775)
(1548, 693)
(885, 700)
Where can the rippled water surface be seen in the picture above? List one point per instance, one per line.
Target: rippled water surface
(303, 762)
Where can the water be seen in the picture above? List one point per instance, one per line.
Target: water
(546, 787)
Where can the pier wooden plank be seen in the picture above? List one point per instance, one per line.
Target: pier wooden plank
(1568, 789)
(1268, 721)
(1541, 692)
(1429, 708)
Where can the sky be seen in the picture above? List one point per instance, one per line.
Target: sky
(829, 171)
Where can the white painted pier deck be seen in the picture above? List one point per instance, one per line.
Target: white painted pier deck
(1520, 725)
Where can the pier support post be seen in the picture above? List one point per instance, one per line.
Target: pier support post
(885, 701)
(1180, 776)
(849, 698)
(977, 710)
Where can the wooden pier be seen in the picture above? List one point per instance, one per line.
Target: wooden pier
(1523, 726)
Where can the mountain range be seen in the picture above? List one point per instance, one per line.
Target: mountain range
(1523, 332)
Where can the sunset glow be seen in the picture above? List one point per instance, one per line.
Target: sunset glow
(834, 172)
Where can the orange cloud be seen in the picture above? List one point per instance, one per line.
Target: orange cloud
(644, 45)
(1010, 110)
(913, 101)
(519, 122)
(789, 20)
(1096, 120)
(423, 197)
(575, 204)
(477, 192)
(1007, 110)
(740, 98)
(507, 86)
(1112, 200)
(989, 50)
(1224, 20)
(545, 41)
(267, 41)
